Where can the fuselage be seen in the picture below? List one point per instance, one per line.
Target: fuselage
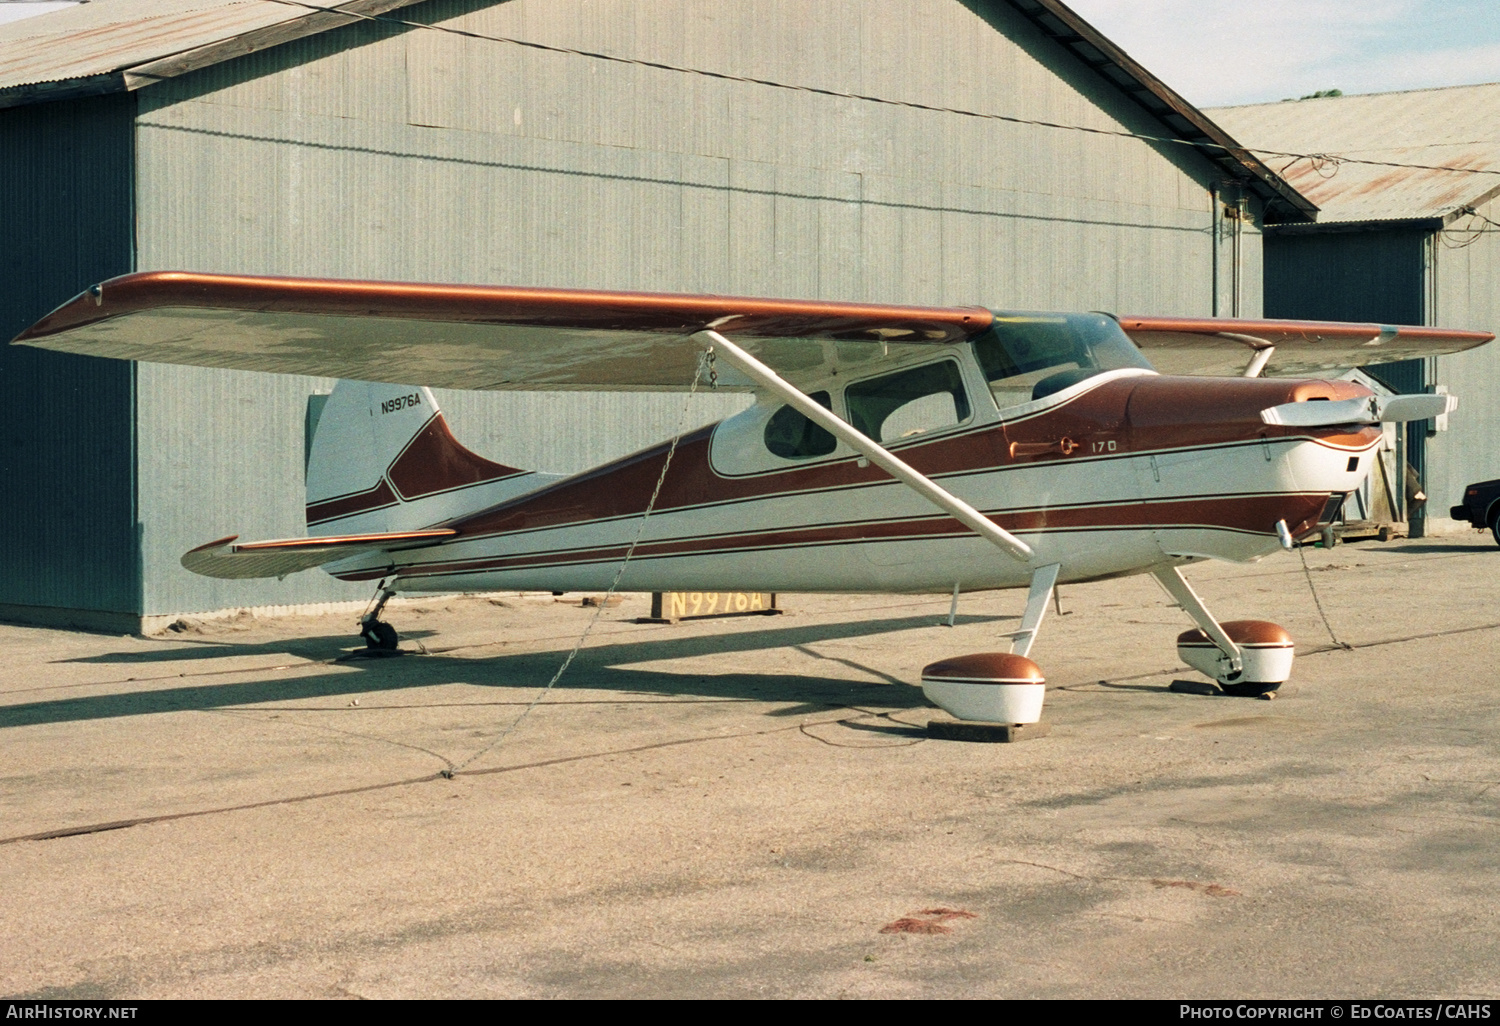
(1114, 474)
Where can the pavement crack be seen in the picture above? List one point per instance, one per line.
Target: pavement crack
(121, 824)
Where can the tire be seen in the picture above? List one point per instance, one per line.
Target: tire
(1495, 528)
(381, 636)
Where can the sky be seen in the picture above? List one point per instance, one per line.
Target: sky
(1222, 52)
(13, 11)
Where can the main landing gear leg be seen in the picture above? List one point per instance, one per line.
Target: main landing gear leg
(1043, 585)
(1250, 658)
(378, 634)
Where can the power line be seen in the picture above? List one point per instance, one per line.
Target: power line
(1469, 235)
(1322, 159)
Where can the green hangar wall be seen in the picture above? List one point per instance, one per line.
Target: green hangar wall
(390, 152)
(68, 542)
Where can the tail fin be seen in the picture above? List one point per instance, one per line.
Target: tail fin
(383, 459)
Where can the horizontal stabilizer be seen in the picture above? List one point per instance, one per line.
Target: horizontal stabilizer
(1372, 409)
(224, 558)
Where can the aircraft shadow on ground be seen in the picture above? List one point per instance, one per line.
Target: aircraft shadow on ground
(517, 676)
(315, 648)
(1439, 548)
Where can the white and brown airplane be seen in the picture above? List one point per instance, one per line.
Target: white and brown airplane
(889, 448)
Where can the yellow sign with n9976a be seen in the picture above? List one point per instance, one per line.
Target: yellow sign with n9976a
(671, 606)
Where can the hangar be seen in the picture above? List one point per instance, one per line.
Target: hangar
(1398, 245)
(789, 148)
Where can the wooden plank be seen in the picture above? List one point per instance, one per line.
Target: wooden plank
(984, 732)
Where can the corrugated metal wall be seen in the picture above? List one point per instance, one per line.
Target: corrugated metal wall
(374, 152)
(1468, 296)
(67, 516)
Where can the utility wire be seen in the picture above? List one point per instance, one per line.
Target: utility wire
(705, 362)
(1466, 236)
(1239, 152)
(1307, 573)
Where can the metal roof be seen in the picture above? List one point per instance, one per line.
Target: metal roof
(115, 45)
(1456, 127)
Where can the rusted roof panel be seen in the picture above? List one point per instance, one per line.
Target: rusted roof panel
(1456, 127)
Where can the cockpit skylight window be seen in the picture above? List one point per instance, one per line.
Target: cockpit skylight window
(1030, 356)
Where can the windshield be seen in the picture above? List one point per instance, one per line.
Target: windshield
(1030, 356)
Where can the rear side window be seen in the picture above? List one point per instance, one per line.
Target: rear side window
(793, 437)
(908, 403)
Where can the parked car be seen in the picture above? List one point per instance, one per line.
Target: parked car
(1481, 507)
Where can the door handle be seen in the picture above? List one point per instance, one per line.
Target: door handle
(1065, 446)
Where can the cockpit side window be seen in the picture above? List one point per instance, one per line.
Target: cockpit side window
(910, 402)
(792, 436)
(1030, 356)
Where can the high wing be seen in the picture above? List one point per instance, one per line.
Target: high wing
(224, 559)
(465, 336)
(1223, 346)
(519, 338)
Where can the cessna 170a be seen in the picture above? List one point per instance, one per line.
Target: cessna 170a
(889, 448)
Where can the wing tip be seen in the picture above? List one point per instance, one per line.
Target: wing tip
(212, 545)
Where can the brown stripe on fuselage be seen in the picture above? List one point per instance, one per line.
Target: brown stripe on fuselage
(1174, 413)
(623, 488)
(1255, 514)
(374, 498)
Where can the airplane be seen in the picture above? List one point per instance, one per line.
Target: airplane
(888, 448)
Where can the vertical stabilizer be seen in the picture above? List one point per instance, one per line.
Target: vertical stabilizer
(383, 459)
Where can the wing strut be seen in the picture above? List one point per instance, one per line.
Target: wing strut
(873, 451)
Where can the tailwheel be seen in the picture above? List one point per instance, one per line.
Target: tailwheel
(379, 636)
